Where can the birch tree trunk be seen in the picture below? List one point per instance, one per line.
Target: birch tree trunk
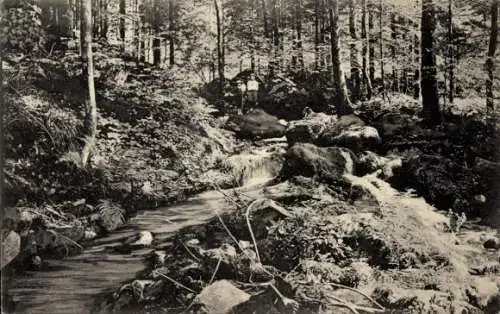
(355, 66)
(342, 102)
(88, 70)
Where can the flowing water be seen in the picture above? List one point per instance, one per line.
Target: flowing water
(73, 284)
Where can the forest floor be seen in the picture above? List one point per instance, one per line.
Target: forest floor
(331, 235)
(344, 229)
(157, 143)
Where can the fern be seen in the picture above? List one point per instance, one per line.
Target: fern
(111, 215)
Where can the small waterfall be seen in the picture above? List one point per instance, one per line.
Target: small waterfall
(256, 166)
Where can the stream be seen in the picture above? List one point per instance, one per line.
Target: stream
(73, 284)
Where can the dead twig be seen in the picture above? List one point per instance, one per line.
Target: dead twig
(247, 217)
(174, 281)
(189, 251)
(357, 291)
(215, 271)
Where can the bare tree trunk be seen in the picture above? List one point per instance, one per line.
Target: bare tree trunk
(171, 27)
(366, 48)
(451, 61)
(395, 80)
(490, 61)
(104, 18)
(342, 102)
(316, 34)
(267, 32)
(298, 25)
(430, 100)
(96, 4)
(122, 11)
(355, 66)
(381, 45)
(371, 40)
(416, 55)
(156, 34)
(88, 68)
(220, 56)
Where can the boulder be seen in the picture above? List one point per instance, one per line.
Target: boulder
(369, 162)
(441, 181)
(11, 246)
(342, 123)
(308, 160)
(256, 124)
(145, 238)
(353, 137)
(219, 298)
(308, 129)
(391, 123)
(492, 243)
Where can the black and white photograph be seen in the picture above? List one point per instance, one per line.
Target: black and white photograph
(250, 156)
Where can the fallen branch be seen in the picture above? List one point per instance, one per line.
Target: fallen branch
(247, 217)
(174, 281)
(215, 271)
(357, 291)
(353, 307)
(189, 251)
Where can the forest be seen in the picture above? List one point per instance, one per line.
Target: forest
(250, 156)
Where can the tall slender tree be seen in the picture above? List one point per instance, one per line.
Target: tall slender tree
(381, 44)
(342, 102)
(316, 33)
(366, 48)
(122, 10)
(104, 19)
(298, 27)
(451, 61)
(394, 37)
(171, 27)
(354, 52)
(88, 71)
(490, 61)
(430, 99)
(156, 33)
(220, 43)
(371, 40)
(265, 18)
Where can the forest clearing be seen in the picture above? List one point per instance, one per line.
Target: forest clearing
(250, 156)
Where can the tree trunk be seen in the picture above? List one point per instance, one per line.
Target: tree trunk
(395, 85)
(96, 5)
(355, 66)
(298, 26)
(156, 34)
(366, 49)
(220, 56)
(342, 102)
(490, 61)
(137, 30)
(417, 61)
(430, 100)
(276, 36)
(88, 70)
(104, 19)
(171, 27)
(122, 11)
(381, 45)
(71, 18)
(316, 34)
(371, 40)
(267, 32)
(451, 61)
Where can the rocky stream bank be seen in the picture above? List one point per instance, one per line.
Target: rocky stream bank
(346, 225)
